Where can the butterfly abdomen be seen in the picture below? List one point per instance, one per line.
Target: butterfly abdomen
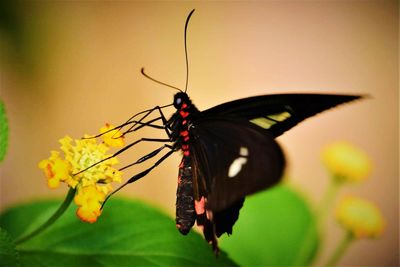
(185, 211)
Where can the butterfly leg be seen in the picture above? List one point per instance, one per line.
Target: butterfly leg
(165, 122)
(125, 148)
(137, 125)
(131, 129)
(145, 172)
(148, 156)
(141, 174)
(147, 113)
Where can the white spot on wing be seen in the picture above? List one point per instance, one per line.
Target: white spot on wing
(237, 164)
(270, 120)
(243, 151)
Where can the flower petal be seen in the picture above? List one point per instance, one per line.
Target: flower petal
(111, 137)
(89, 198)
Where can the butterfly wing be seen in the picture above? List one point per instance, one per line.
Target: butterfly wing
(278, 113)
(234, 154)
(232, 158)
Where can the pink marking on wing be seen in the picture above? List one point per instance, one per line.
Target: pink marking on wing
(199, 206)
(179, 179)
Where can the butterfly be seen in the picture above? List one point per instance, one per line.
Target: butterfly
(228, 151)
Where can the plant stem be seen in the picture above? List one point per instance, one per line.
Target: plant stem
(327, 200)
(63, 207)
(323, 211)
(340, 249)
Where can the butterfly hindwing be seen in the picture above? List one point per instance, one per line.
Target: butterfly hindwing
(225, 219)
(232, 159)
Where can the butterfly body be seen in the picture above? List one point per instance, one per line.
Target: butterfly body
(181, 122)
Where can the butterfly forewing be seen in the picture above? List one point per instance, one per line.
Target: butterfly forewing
(278, 113)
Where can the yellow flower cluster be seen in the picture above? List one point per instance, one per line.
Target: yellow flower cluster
(360, 217)
(87, 168)
(346, 162)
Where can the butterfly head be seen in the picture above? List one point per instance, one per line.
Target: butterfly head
(181, 99)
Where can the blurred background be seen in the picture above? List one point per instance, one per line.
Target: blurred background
(70, 67)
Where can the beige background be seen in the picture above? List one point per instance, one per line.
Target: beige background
(83, 65)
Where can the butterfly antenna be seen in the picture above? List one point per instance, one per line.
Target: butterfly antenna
(186, 53)
(157, 81)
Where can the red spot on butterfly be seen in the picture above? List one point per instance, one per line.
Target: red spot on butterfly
(184, 133)
(185, 147)
(199, 206)
(184, 114)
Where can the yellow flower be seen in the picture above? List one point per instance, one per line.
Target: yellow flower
(111, 137)
(360, 217)
(346, 162)
(86, 167)
(55, 169)
(89, 200)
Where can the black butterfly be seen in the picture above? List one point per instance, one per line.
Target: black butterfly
(229, 151)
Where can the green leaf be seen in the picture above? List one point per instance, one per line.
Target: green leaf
(128, 233)
(8, 254)
(275, 228)
(3, 131)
